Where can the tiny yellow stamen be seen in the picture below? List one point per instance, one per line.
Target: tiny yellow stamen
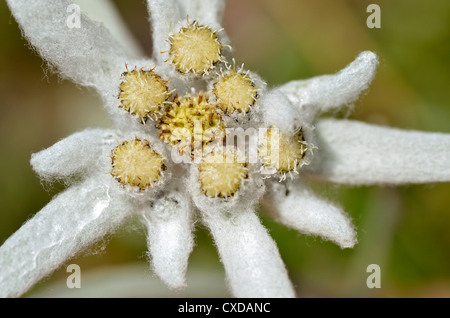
(135, 163)
(282, 153)
(190, 120)
(195, 49)
(143, 93)
(221, 177)
(235, 91)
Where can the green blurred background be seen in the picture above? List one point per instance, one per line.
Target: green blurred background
(405, 230)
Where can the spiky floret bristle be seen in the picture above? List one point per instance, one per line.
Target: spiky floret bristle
(190, 122)
(235, 91)
(195, 49)
(135, 163)
(222, 174)
(281, 152)
(143, 94)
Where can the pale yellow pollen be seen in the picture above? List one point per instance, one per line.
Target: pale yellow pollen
(195, 49)
(282, 152)
(143, 93)
(135, 163)
(235, 91)
(190, 120)
(221, 177)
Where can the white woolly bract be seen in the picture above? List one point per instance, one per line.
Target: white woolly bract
(86, 55)
(293, 204)
(251, 259)
(80, 153)
(329, 92)
(169, 226)
(107, 13)
(208, 12)
(277, 111)
(164, 14)
(181, 83)
(353, 152)
(72, 221)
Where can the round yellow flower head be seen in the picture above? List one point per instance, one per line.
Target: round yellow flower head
(221, 174)
(190, 122)
(135, 163)
(143, 93)
(195, 49)
(281, 152)
(235, 91)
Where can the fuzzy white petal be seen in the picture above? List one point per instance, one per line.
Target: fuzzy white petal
(276, 110)
(72, 221)
(329, 92)
(296, 206)
(86, 55)
(169, 237)
(77, 153)
(357, 153)
(106, 12)
(250, 256)
(206, 11)
(163, 15)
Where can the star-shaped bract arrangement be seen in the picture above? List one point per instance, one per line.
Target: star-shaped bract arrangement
(192, 79)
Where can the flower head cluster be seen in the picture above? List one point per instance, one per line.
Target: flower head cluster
(172, 158)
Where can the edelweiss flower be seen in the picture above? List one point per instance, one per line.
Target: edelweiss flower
(127, 171)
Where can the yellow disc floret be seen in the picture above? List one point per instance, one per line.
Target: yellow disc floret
(190, 122)
(143, 93)
(281, 152)
(135, 163)
(221, 177)
(195, 49)
(235, 91)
